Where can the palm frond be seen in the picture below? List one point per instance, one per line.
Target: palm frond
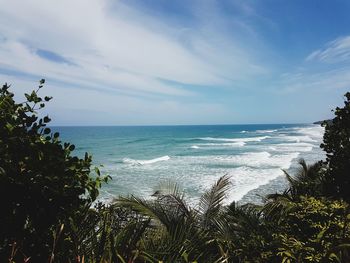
(168, 187)
(211, 201)
(306, 181)
(239, 222)
(277, 207)
(144, 207)
(125, 242)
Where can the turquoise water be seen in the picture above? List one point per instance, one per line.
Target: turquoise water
(139, 158)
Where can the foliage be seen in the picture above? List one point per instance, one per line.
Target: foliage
(336, 143)
(41, 184)
(308, 180)
(180, 232)
(107, 234)
(312, 231)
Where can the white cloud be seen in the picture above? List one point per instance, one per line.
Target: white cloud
(133, 65)
(324, 70)
(335, 51)
(319, 81)
(21, 58)
(115, 46)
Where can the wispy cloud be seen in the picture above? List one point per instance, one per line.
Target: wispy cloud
(324, 70)
(106, 46)
(335, 51)
(77, 106)
(119, 54)
(309, 80)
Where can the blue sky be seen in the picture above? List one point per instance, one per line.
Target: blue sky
(154, 62)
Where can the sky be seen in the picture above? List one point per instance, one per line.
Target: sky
(161, 62)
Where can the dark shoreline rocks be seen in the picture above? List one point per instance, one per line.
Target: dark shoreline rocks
(330, 121)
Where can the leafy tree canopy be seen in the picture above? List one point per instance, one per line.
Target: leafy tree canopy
(336, 143)
(41, 183)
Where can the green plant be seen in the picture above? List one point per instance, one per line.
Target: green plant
(178, 232)
(41, 184)
(313, 230)
(336, 143)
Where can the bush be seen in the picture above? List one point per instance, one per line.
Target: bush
(41, 184)
(314, 230)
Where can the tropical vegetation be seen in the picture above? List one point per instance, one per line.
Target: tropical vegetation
(49, 213)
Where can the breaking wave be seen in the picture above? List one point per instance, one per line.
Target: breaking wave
(251, 139)
(143, 162)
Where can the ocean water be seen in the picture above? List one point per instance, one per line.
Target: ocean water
(140, 158)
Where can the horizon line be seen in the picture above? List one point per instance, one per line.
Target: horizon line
(174, 125)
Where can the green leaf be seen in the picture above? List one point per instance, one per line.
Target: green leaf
(9, 127)
(47, 119)
(71, 147)
(97, 171)
(27, 97)
(47, 130)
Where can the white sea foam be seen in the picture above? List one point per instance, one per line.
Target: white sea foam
(314, 132)
(302, 138)
(194, 147)
(256, 169)
(233, 144)
(252, 170)
(265, 131)
(259, 159)
(292, 147)
(249, 139)
(245, 179)
(143, 162)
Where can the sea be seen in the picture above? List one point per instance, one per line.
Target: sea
(141, 158)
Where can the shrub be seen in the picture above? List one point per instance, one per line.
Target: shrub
(41, 184)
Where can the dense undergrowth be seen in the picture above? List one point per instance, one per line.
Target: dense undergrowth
(46, 197)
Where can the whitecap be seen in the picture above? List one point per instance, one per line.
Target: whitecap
(298, 139)
(233, 144)
(259, 159)
(265, 131)
(245, 179)
(249, 139)
(314, 132)
(292, 147)
(194, 147)
(259, 170)
(143, 162)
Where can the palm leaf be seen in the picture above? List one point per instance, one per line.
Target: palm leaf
(211, 201)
